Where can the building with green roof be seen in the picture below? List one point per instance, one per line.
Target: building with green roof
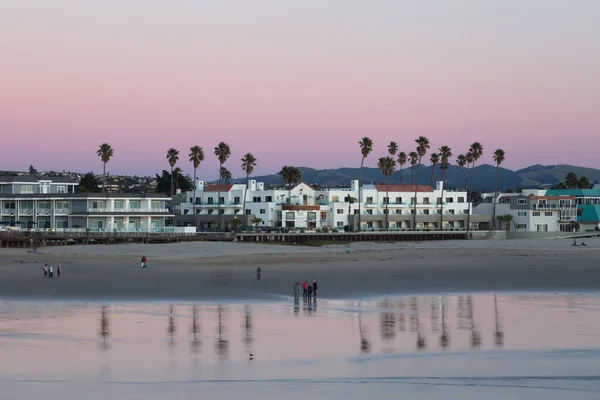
(588, 205)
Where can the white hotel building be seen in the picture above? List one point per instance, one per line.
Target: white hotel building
(303, 207)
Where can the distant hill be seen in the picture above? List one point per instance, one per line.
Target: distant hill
(484, 176)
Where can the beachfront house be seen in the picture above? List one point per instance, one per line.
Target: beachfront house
(30, 202)
(588, 205)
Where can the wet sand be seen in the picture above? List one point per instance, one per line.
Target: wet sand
(226, 271)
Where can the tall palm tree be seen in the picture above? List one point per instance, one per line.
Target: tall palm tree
(172, 157)
(445, 154)
(196, 157)
(461, 161)
(248, 164)
(386, 165)
(393, 149)
(366, 147)
(222, 152)
(499, 158)
(402, 159)
(105, 152)
(414, 159)
(469, 160)
(286, 176)
(435, 159)
(177, 172)
(422, 147)
(476, 151)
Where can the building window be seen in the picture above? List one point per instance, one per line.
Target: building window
(221, 201)
(548, 213)
(425, 200)
(521, 201)
(335, 199)
(340, 224)
(236, 200)
(210, 211)
(323, 215)
(398, 211)
(522, 214)
(438, 200)
(370, 225)
(413, 200)
(118, 204)
(386, 212)
(263, 211)
(221, 211)
(541, 227)
(369, 200)
(535, 214)
(521, 226)
(398, 200)
(451, 211)
(134, 204)
(438, 212)
(412, 211)
(386, 200)
(466, 211)
(256, 199)
(340, 211)
(460, 199)
(369, 212)
(210, 200)
(355, 212)
(61, 189)
(311, 216)
(290, 215)
(26, 189)
(451, 200)
(269, 199)
(155, 205)
(426, 212)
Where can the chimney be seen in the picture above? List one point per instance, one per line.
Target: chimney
(439, 185)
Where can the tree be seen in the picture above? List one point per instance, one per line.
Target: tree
(350, 201)
(476, 151)
(32, 171)
(499, 158)
(163, 182)
(435, 159)
(422, 147)
(225, 175)
(105, 152)
(286, 176)
(574, 226)
(583, 183)
(248, 164)
(366, 147)
(402, 159)
(177, 172)
(222, 152)
(571, 181)
(196, 157)
(88, 183)
(172, 157)
(393, 149)
(461, 161)
(445, 154)
(386, 165)
(256, 221)
(507, 219)
(414, 159)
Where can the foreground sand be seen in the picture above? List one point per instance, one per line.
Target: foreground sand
(225, 271)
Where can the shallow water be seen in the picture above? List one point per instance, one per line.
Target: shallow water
(536, 346)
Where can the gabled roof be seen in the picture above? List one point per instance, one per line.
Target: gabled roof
(403, 188)
(573, 192)
(589, 213)
(215, 187)
(303, 183)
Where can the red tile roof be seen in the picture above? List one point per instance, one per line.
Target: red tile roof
(552, 197)
(403, 188)
(215, 187)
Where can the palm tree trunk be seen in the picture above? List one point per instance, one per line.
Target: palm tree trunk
(432, 174)
(359, 193)
(245, 195)
(470, 198)
(194, 200)
(415, 203)
(219, 200)
(412, 174)
(104, 177)
(494, 202)
(387, 201)
(400, 175)
(172, 181)
(442, 203)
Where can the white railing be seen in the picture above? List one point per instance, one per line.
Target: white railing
(548, 207)
(129, 210)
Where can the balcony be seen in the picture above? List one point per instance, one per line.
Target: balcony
(8, 211)
(542, 207)
(127, 210)
(61, 211)
(225, 203)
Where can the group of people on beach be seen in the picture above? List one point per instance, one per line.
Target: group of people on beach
(309, 291)
(49, 270)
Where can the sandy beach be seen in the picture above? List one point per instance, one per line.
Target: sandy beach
(226, 271)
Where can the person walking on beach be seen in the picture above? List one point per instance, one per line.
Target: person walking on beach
(51, 272)
(143, 261)
(296, 291)
(315, 287)
(304, 290)
(310, 293)
(258, 271)
(46, 270)
(58, 270)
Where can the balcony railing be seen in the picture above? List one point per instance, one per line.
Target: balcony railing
(128, 210)
(543, 207)
(8, 211)
(224, 203)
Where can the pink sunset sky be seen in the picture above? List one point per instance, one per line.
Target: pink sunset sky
(295, 82)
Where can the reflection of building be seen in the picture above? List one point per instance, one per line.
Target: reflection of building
(29, 202)
(307, 208)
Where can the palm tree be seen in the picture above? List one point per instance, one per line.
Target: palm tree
(402, 159)
(435, 159)
(366, 147)
(461, 161)
(499, 157)
(172, 157)
(571, 181)
(469, 160)
(222, 152)
(507, 219)
(445, 154)
(177, 172)
(196, 157)
(105, 152)
(393, 149)
(248, 164)
(225, 175)
(286, 175)
(386, 165)
(476, 151)
(351, 201)
(422, 146)
(414, 159)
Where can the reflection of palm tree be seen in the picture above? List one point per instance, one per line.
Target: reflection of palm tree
(171, 328)
(401, 317)
(499, 334)
(221, 345)
(104, 332)
(475, 336)
(434, 314)
(414, 314)
(445, 337)
(248, 326)
(365, 346)
(387, 323)
(196, 343)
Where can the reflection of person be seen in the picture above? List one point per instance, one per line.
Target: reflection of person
(58, 270)
(51, 272)
(296, 291)
(258, 271)
(310, 292)
(304, 289)
(315, 287)
(46, 270)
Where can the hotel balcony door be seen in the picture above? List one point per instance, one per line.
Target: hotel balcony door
(97, 225)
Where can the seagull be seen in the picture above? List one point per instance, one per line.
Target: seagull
(251, 356)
